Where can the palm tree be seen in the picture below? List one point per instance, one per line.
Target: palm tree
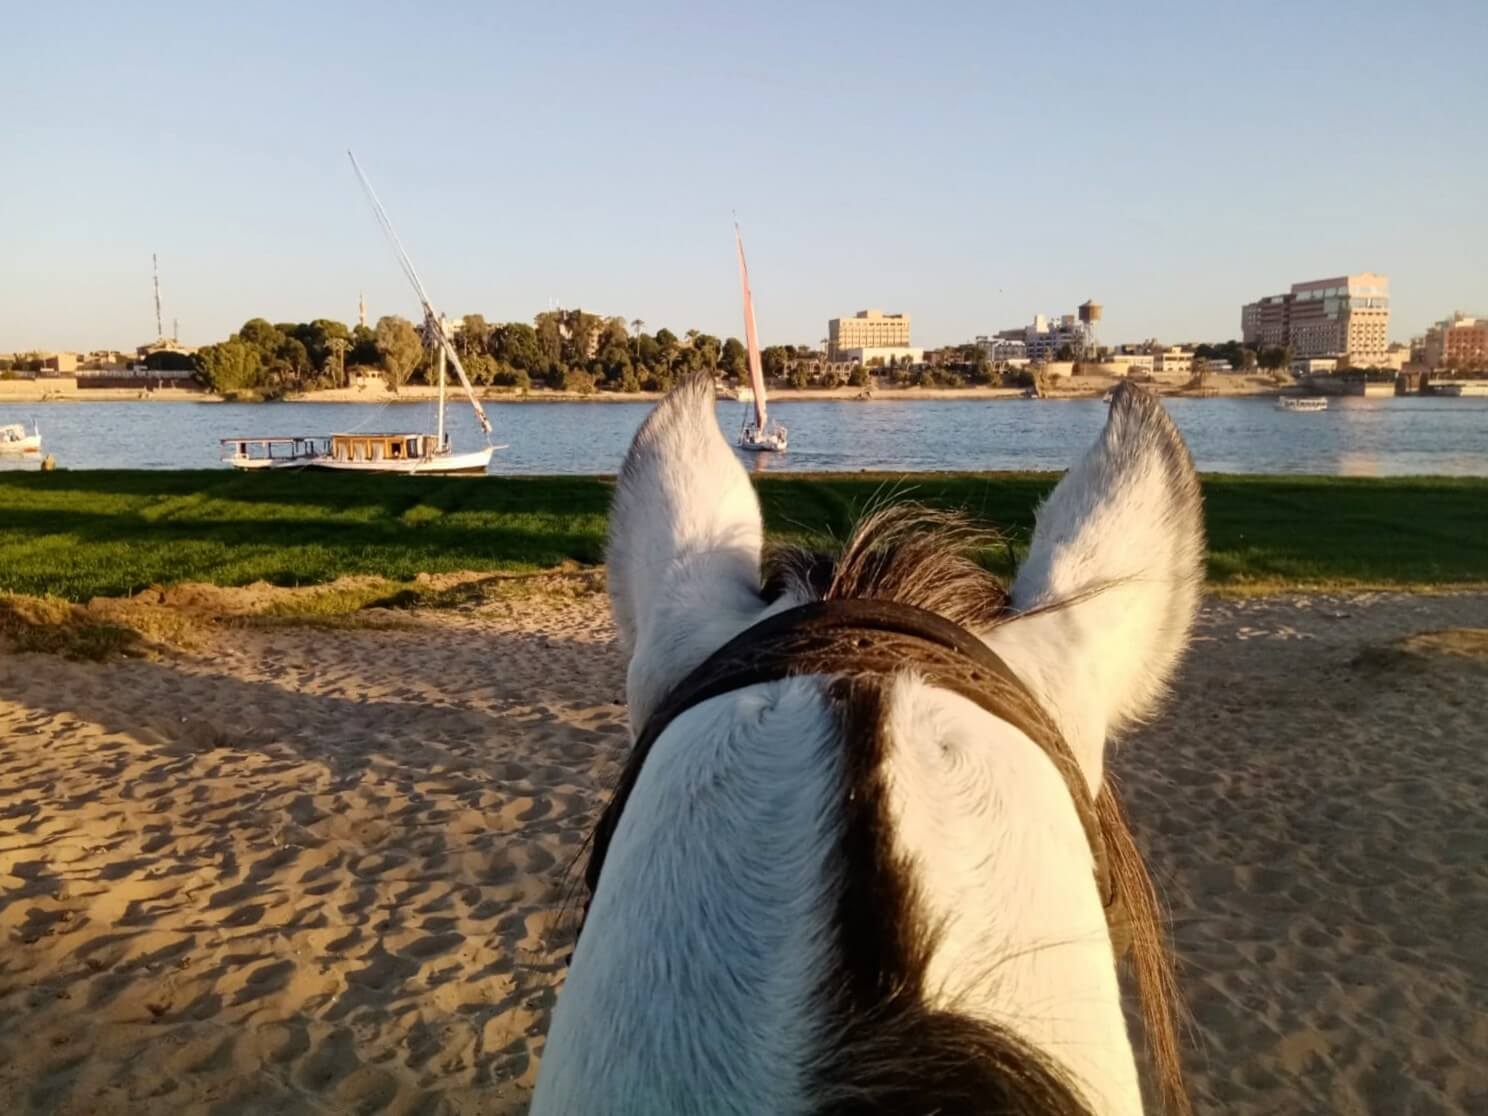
(637, 325)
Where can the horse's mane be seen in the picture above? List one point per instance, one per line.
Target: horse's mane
(890, 1047)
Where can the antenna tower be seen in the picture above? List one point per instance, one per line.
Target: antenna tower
(159, 322)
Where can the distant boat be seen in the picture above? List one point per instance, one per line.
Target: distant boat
(1302, 403)
(423, 453)
(14, 439)
(761, 435)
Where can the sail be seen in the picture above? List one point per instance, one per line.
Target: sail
(751, 337)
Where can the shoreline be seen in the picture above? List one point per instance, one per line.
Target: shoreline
(14, 391)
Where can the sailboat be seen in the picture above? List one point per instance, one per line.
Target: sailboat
(761, 435)
(422, 453)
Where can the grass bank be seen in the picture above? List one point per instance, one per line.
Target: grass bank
(109, 533)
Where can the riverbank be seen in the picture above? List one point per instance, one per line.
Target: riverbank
(308, 869)
(109, 533)
(66, 390)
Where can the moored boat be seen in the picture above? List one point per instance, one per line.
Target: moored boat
(1302, 403)
(14, 439)
(422, 453)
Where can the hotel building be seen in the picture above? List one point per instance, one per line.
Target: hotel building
(1347, 317)
(867, 329)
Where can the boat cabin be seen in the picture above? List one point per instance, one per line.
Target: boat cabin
(382, 447)
(270, 453)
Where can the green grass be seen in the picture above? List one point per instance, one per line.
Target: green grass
(77, 535)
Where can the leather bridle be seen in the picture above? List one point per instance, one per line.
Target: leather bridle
(872, 638)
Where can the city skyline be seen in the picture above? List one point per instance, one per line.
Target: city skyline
(886, 160)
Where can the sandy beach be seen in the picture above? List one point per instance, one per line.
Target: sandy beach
(322, 870)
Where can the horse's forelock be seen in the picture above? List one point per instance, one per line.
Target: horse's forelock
(906, 553)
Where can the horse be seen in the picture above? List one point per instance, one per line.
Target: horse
(842, 888)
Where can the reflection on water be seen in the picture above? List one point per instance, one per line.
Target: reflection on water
(1353, 437)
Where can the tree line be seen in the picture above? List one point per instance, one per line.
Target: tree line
(567, 350)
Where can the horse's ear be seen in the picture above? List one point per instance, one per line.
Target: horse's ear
(684, 549)
(1108, 592)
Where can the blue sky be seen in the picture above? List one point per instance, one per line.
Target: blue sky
(971, 163)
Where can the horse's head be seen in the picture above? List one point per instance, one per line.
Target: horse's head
(820, 887)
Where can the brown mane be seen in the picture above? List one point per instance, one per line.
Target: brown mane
(915, 556)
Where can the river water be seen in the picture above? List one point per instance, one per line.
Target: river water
(1354, 437)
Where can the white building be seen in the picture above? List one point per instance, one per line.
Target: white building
(883, 355)
(1173, 362)
(1045, 337)
(1001, 350)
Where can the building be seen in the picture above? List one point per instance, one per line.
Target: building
(1347, 317)
(867, 329)
(1002, 350)
(881, 356)
(1173, 361)
(1458, 342)
(1314, 366)
(1045, 337)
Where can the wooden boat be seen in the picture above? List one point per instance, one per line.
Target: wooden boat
(759, 435)
(1302, 403)
(420, 452)
(14, 439)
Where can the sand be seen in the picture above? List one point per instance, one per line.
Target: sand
(310, 871)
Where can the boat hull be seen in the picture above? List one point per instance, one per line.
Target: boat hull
(29, 444)
(449, 464)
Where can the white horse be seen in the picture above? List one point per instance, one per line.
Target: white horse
(878, 897)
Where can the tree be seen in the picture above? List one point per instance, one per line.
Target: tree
(399, 348)
(773, 362)
(231, 366)
(799, 377)
(637, 325)
(262, 336)
(1066, 352)
(473, 336)
(363, 347)
(706, 348)
(735, 359)
(859, 377)
(518, 345)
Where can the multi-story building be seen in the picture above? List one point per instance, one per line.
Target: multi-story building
(1458, 342)
(1001, 349)
(1044, 337)
(1173, 361)
(867, 329)
(1347, 317)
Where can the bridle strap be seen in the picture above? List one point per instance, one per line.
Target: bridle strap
(864, 638)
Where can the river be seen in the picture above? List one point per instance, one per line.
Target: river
(1354, 437)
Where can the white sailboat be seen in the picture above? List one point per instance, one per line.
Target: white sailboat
(14, 439)
(761, 435)
(420, 453)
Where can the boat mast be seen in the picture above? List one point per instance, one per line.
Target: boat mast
(439, 438)
(446, 344)
(751, 336)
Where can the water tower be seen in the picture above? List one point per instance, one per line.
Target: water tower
(1090, 314)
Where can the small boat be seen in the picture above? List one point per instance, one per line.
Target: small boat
(422, 453)
(1302, 403)
(759, 435)
(14, 439)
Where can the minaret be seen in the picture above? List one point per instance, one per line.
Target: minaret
(159, 323)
